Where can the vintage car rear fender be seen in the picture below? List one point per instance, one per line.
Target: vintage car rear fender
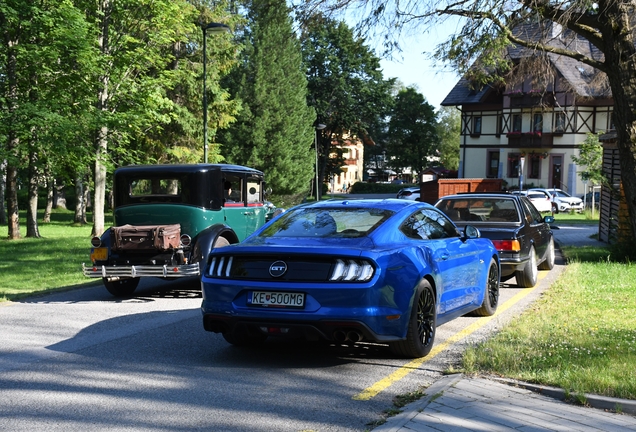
(204, 242)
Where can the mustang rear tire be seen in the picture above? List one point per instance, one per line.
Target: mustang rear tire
(527, 278)
(491, 296)
(420, 335)
(548, 263)
(123, 287)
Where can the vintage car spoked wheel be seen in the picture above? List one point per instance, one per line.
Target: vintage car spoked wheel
(548, 263)
(121, 287)
(527, 278)
(491, 295)
(421, 328)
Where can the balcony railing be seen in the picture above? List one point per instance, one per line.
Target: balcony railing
(530, 139)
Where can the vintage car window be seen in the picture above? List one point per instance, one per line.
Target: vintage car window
(428, 224)
(253, 191)
(154, 186)
(232, 189)
(351, 222)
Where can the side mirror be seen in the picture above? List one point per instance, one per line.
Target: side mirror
(470, 232)
(548, 219)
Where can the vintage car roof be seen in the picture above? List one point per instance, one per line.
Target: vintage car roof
(185, 168)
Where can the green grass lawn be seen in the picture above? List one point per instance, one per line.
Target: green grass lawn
(580, 336)
(54, 261)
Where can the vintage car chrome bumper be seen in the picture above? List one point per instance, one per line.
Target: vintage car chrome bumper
(165, 271)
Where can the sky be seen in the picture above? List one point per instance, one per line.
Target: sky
(414, 68)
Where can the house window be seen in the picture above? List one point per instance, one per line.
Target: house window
(513, 165)
(559, 121)
(493, 164)
(534, 170)
(476, 125)
(537, 123)
(516, 123)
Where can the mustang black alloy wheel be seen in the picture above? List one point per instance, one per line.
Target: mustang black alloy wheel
(421, 328)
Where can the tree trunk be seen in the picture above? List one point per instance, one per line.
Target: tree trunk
(101, 144)
(12, 139)
(3, 182)
(620, 56)
(32, 210)
(80, 204)
(49, 199)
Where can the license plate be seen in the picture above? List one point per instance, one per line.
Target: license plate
(276, 299)
(99, 254)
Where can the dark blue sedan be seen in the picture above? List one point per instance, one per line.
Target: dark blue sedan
(385, 271)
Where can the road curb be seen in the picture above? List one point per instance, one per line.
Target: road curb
(592, 400)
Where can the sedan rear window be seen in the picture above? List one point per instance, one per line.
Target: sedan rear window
(327, 223)
(478, 209)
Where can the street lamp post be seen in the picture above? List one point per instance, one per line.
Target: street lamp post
(214, 28)
(319, 127)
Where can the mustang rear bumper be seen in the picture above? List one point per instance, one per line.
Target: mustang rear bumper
(326, 329)
(134, 271)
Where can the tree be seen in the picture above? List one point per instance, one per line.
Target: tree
(44, 50)
(274, 130)
(346, 86)
(448, 131)
(487, 27)
(412, 131)
(591, 157)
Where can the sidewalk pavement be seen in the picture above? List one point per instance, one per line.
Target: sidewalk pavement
(460, 403)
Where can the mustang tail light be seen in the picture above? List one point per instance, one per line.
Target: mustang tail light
(352, 270)
(507, 245)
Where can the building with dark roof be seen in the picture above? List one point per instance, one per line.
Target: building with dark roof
(526, 128)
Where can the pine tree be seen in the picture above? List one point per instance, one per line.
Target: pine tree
(274, 131)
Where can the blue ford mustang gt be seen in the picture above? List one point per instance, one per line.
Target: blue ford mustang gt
(385, 271)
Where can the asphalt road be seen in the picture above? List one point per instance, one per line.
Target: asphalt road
(82, 361)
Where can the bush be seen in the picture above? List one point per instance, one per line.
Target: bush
(380, 188)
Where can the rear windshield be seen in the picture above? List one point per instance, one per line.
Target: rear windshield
(480, 209)
(327, 223)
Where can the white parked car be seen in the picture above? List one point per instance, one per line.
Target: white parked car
(561, 201)
(409, 193)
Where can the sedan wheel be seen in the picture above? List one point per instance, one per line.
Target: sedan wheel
(420, 335)
(548, 263)
(527, 278)
(491, 295)
(121, 287)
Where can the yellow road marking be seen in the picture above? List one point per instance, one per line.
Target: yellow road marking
(386, 382)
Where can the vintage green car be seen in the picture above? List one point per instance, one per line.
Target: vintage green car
(169, 217)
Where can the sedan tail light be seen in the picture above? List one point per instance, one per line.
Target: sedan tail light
(507, 245)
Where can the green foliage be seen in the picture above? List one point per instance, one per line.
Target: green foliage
(448, 130)
(591, 157)
(346, 86)
(412, 132)
(377, 188)
(274, 131)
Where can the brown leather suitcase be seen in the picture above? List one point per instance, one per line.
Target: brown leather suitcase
(131, 238)
(168, 237)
